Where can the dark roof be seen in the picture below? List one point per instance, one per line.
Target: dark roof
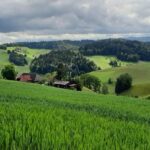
(63, 83)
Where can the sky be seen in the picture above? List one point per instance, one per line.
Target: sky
(35, 20)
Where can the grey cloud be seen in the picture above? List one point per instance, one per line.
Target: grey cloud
(75, 16)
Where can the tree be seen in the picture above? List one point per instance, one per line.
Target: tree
(8, 72)
(78, 82)
(124, 82)
(3, 47)
(17, 59)
(61, 71)
(113, 63)
(91, 82)
(105, 89)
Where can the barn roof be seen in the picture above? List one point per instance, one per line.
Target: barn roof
(61, 83)
(29, 77)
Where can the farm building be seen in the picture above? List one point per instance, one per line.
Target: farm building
(28, 77)
(61, 84)
(64, 84)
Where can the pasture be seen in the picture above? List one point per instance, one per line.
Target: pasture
(140, 73)
(103, 61)
(39, 117)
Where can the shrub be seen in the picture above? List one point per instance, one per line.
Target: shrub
(113, 63)
(110, 81)
(105, 89)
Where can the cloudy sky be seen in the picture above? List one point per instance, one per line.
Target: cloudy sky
(33, 20)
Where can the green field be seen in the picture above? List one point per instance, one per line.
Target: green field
(140, 73)
(31, 53)
(103, 61)
(40, 117)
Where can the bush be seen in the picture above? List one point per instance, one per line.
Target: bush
(105, 89)
(110, 81)
(8, 72)
(124, 82)
(79, 84)
(113, 63)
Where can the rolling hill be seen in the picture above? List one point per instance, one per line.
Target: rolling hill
(140, 73)
(30, 53)
(39, 117)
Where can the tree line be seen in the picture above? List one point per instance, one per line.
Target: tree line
(53, 45)
(125, 50)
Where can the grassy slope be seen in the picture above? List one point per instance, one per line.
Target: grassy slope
(103, 61)
(139, 90)
(140, 73)
(44, 117)
(31, 53)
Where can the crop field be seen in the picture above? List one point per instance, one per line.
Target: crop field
(31, 53)
(140, 73)
(40, 117)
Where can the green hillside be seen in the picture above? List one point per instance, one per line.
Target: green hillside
(139, 90)
(103, 61)
(40, 117)
(31, 53)
(140, 73)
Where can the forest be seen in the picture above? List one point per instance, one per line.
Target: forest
(125, 50)
(53, 45)
(74, 64)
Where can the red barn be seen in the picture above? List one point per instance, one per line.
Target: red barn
(28, 77)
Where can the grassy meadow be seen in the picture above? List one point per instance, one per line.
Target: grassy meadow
(103, 61)
(40, 117)
(140, 73)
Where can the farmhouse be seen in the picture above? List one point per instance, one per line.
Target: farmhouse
(28, 77)
(64, 84)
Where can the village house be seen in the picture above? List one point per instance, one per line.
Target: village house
(28, 77)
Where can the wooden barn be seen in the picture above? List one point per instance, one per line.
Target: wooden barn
(28, 77)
